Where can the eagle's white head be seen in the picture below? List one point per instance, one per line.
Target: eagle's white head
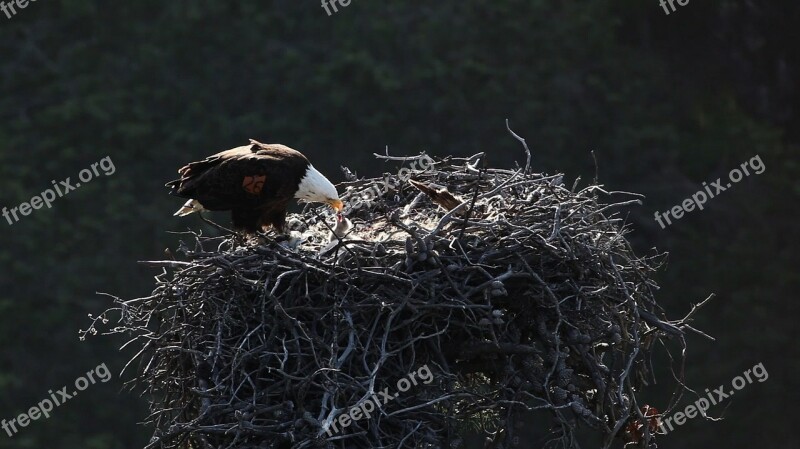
(315, 187)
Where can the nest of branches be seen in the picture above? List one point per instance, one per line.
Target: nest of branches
(460, 302)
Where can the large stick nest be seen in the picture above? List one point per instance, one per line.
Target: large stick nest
(524, 296)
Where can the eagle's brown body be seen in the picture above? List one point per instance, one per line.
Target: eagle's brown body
(255, 182)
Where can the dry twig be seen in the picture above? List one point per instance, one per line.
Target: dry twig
(532, 301)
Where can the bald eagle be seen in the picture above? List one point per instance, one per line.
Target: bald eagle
(255, 182)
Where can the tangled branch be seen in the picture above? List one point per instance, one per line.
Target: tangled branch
(522, 295)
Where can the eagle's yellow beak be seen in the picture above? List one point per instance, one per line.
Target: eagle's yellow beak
(337, 205)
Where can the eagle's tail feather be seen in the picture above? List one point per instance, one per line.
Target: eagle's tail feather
(189, 207)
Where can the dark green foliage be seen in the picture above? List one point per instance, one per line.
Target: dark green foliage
(666, 102)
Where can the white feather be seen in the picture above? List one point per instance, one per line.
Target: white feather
(315, 187)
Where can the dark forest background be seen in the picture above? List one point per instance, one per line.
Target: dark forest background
(664, 101)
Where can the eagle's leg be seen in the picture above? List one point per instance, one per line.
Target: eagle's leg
(245, 220)
(281, 233)
(274, 219)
